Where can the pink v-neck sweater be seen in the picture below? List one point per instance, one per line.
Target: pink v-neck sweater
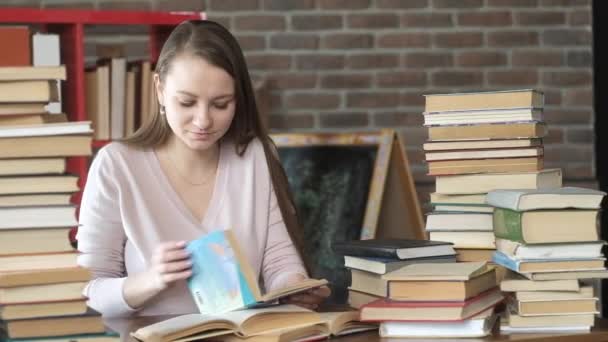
(129, 207)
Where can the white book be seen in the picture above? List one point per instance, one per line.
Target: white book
(478, 326)
(38, 217)
(578, 250)
(556, 198)
(456, 221)
(506, 329)
(483, 116)
(485, 154)
(118, 81)
(46, 52)
(60, 128)
(463, 208)
(484, 182)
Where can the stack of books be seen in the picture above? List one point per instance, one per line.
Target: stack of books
(479, 142)
(369, 260)
(549, 241)
(437, 300)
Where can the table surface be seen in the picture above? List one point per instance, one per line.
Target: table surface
(599, 333)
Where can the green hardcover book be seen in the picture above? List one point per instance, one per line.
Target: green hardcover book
(508, 224)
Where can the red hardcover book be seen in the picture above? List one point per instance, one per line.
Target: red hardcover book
(20, 51)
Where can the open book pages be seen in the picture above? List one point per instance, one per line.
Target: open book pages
(346, 322)
(243, 323)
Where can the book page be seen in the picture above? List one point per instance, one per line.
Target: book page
(438, 271)
(302, 286)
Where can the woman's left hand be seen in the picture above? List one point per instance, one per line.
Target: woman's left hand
(309, 299)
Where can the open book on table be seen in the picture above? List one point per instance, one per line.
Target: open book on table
(223, 280)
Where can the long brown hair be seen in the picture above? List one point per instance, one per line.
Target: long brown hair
(215, 44)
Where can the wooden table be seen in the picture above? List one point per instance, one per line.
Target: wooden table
(598, 333)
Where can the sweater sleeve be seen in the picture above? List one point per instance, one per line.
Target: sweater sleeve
(101, 238)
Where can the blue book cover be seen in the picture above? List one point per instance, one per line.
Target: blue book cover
(221, 280)
(504, 261)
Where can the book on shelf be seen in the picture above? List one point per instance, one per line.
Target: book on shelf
(581, 250)
(481, 144)
(384, 265)
(249, 322)
(356, 299)
(97, 89)
(118, 81)
(475, 166)
(38, 217)
(14, 185)
(546, 226)
(458, 221)
(548, 265)
(32, 166)
(35, 199)
(470, 254)
(483, 116)
(39, 276)
(516, 130)
(31, 119)
(43, 327)
(554, 307)
(21, 108)
(464, 208)
(44, 309)
(46, 146)
(394, 248)
(584, 292)
(442, 199)
(218, 256)
(36, 262)
(28, 91)
(517, 321)
(514, 282)
(465, 239)
(35, 240)
(484, 154)
(483, 183)
(17, 40)
(441, 290)
(369, 283)
(32, 73)
(42, 293)
(477, 326)
(59, 128)
(388, 310)
(558, 198)
(484, 100)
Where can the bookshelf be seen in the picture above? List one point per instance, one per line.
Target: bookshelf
(70, 25)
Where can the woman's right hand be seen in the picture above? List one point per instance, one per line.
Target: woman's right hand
(170, 263)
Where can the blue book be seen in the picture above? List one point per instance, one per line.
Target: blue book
(548, 265)
(222, 280)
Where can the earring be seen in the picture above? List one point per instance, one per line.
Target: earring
(162, 111)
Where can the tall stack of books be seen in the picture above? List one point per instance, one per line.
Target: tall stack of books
(549, 240)
(437, 300)
(369, 260)
(479, 142)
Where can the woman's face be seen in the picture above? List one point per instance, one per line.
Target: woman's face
(199, 101)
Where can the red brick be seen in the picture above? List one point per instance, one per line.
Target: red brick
(580, 59)
(553, 97)
(371, 21)
(459, 39)
(554, 136)
(181, 5)
(251, 42)
(268, 62)
(428, 59)
(512, 3)
(558, 116)
(313, 101)
(568, 154)
(537, 58)
(343, 120)
(485, 19)
(402, 4)
(392, 119)
(580, 136)
(288, 5)
(291, 121)
(457, 78)
(292, 80)
(457, 3)
(578, 97)
(402, 79)
(294, 41)
(316, 22)
(578, 18)
(319, 62)
(564, 37)
(512, 38)
(344, 4)
(124, 5)
(347, 41)
(567, 78)
(346, 81)
(481, 59)
(513, 77)
(260, 23)
(427, 20)
(413, 99)
(372, 100)
(540, 18)
(373, 61)
(232, 5)
(565, 3)
(404, 40)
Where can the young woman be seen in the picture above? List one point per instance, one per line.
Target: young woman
(202, 163)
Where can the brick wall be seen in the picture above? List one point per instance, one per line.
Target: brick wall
(364, 64)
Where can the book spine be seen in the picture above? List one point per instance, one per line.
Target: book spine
(508, 224)
(503, 260)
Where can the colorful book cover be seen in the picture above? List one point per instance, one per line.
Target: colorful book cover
(221, 279)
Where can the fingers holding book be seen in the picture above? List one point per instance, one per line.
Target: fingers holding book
(170, 263)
